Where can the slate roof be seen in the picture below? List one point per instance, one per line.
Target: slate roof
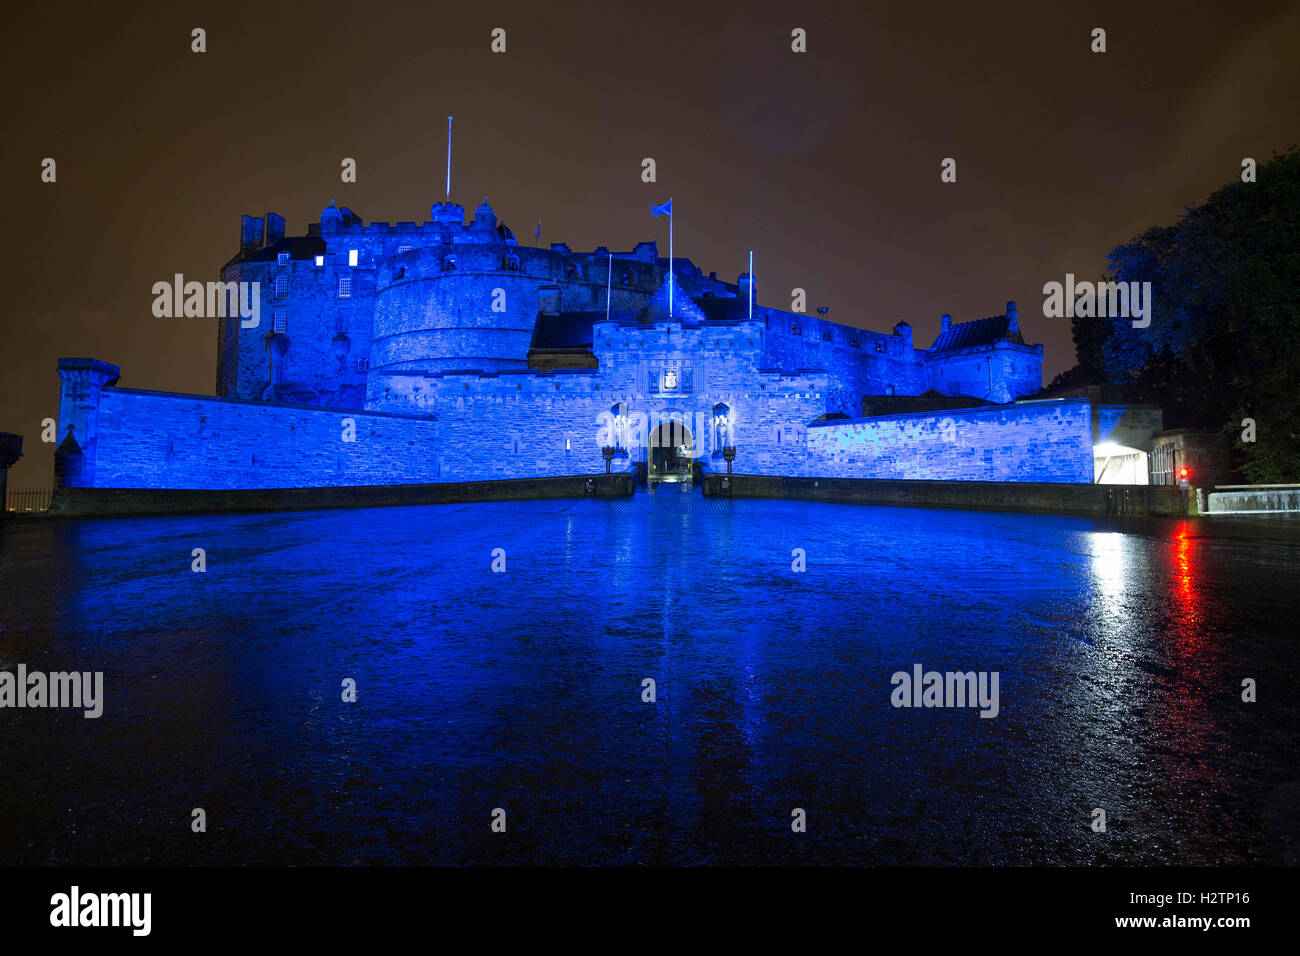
(966, 335)
(298, 247)
(570, 330)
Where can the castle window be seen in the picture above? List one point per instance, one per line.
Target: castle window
(626, 277)
(880, 346)
(510, 262)
(320, 260)
(826, 335)
(571, 271)
(352, 257)
(889, 390)
(794, 328)
(401, 249)
(282, 258)
(363, 365)
(281, 286)
(278, 321)
(448, 263)
(446, 238)
(853, 340)
(345, 287)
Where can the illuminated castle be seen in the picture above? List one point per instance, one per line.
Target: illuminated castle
(446, 351)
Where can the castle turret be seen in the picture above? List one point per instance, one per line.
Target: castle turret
(1013, 321)
(330, 218)
(484, 217)
(745, 281)
(448, 212)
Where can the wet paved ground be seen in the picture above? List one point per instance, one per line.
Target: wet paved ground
(1121, 648)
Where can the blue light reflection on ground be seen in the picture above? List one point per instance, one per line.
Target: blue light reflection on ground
(1121, 647)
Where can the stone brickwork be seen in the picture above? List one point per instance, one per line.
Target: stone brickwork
(1026, 442)
(422, 334)
(164, 440)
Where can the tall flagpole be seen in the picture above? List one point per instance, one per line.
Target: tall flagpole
(671, 283)
(609, 285)
(449, 157)
(751, 283)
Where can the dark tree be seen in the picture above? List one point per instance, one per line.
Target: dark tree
(1224, 340)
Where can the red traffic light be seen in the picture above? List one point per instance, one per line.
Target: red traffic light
(1182, 472)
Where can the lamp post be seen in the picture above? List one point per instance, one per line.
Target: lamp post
(729, 453)
(609, 451)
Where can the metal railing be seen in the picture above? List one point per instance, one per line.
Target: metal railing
(28, 500)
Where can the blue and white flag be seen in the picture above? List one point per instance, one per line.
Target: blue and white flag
(665, 210)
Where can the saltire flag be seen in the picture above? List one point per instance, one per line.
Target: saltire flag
(665, 210)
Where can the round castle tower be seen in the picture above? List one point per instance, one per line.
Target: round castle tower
(461, 304)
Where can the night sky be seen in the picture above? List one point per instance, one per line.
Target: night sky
(825, 163)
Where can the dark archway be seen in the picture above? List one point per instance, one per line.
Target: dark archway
(671, 453)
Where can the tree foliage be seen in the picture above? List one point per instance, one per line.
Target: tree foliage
(1224, 340)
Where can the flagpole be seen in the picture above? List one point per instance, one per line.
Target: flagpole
(751, 283)
(671, 283)
(449, 157)
(609, 285)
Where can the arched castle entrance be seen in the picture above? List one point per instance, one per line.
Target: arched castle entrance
(670, 454)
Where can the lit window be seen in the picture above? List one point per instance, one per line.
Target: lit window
(794, 328)
(401, 249)
(352, 257)
(345, 287)
(281, 286)
(880, 346)
(320, 260)
(279, 323)
(282, 258)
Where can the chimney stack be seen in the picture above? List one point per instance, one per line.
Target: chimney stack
(250, 235)
(274, 228)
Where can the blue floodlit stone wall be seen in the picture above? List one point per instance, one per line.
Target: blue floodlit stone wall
(422, 332)
(532, 424)
(1033, 441)
(145, 439)
(457, 293)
